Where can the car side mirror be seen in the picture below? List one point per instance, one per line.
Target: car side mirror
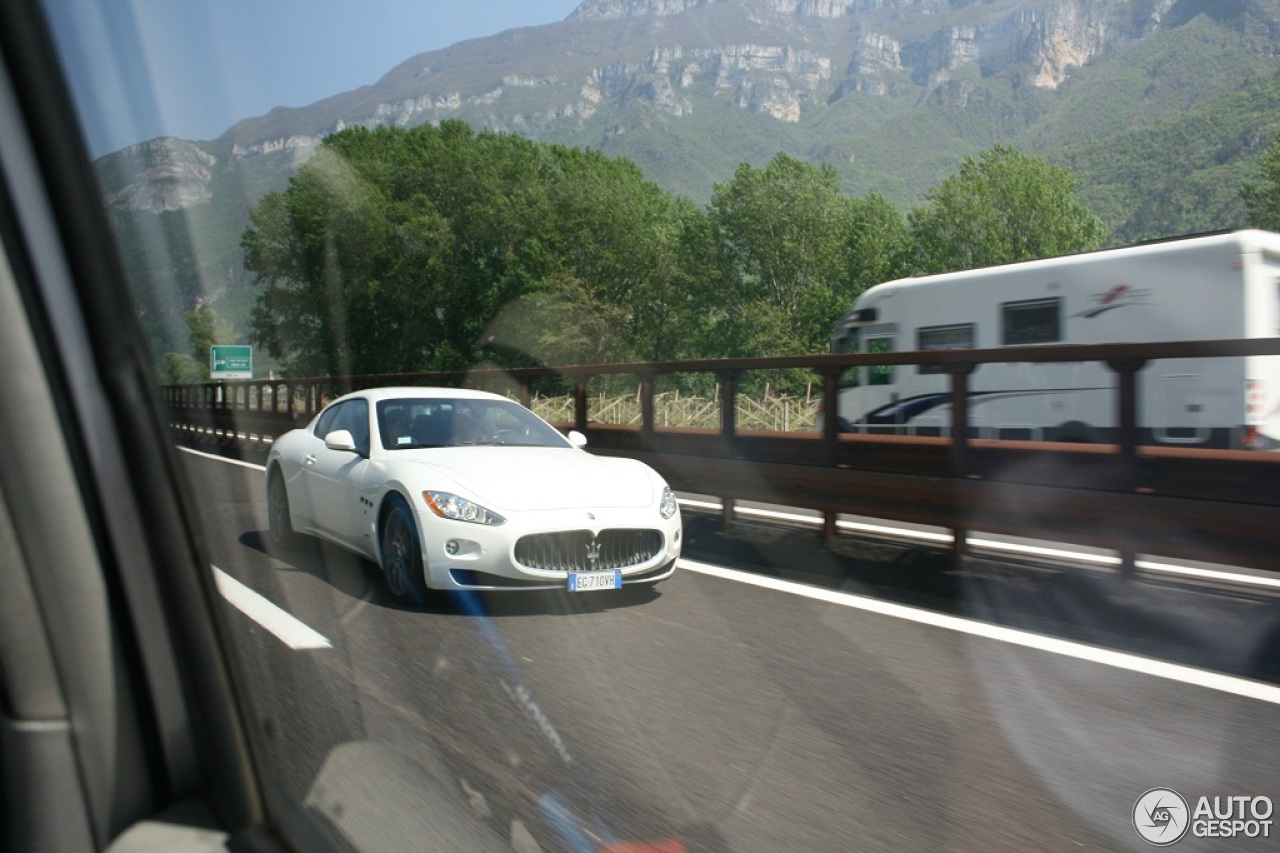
(577, 439)
(340, 439)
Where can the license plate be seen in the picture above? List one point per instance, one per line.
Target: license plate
(587, 581)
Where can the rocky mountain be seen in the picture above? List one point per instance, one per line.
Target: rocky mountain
(892, 93)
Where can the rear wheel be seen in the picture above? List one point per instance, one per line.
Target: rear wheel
(401, 556)
(1076, 432)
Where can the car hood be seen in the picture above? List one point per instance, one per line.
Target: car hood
(533, 478)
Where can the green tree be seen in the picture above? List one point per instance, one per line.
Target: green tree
(204, 329)
(620, 248)
(439, 248)
(880, 247)
(784, 229)
(1002, 207)
(1262, 201)
(178, 368)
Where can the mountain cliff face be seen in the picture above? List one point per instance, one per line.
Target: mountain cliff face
(163, 174)
(613, 65)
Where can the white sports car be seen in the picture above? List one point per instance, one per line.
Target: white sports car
(452, 489)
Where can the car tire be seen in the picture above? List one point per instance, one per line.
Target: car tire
(1076, 432)
(280, 532)
(401, 556)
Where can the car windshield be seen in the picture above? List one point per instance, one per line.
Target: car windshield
(416, 423)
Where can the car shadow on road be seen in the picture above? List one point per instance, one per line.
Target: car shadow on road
(361, 579)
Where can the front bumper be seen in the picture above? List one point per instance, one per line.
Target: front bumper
(459, 556)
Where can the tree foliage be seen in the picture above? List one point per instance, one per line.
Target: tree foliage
(204, 329)
(1002, 207)
(1262, 200)
(439, 247)
(436, 248)
(780, 227)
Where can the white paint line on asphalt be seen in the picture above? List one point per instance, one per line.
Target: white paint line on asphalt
(291, 630)
(218, 458)
(1067, 648)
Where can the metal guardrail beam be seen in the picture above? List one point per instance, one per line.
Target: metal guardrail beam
(1221, 506)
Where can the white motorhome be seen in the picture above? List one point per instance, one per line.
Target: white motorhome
(1219, 286)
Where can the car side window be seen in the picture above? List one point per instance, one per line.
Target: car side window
(329, 420)
(357, 423)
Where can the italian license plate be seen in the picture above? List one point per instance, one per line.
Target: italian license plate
(587, 581)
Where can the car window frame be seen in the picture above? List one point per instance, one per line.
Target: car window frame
(163, 644)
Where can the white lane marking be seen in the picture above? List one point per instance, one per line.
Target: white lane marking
(291, 630)
(217, 458)
(1067, 648)
(994, 545)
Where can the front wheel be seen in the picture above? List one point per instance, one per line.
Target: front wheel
(279, 526)
(402, 556)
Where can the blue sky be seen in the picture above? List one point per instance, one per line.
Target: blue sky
(192, 68)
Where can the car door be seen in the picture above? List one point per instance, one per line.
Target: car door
(334, 477)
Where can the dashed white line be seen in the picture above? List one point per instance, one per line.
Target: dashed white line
(1067, 648)
(292, 631)
(218, 458)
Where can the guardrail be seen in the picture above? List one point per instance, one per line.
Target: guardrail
(1219, 506)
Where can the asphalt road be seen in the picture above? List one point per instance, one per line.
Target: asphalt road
(864, 698)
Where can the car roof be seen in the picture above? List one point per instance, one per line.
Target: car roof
(421, 393)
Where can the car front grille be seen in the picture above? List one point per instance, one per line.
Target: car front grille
(581, 551)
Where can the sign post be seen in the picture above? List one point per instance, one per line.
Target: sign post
(230, 362)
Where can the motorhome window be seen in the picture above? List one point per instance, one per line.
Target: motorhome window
(1036, 321)
(880, 374)
(959, 336)
(845, 342)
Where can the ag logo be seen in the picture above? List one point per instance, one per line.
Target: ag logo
(1161, 816)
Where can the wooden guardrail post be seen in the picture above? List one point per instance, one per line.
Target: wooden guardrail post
(580, 403)
(830, 436)
(647, 416)
(1126, 370)
(728, 383)
(959, 418)
(959, 448)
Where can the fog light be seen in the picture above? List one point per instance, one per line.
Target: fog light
(451, 547)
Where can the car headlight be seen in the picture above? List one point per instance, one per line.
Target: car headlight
(668, 507)
(451, 506)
